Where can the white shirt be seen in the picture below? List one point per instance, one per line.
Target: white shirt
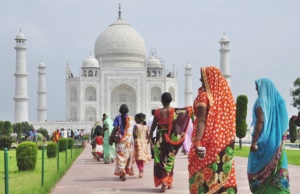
(149, 124)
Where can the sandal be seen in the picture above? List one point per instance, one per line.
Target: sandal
(141, 174)
(123, 178)
(163, 188)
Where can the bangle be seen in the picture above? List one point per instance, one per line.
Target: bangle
(196, 143)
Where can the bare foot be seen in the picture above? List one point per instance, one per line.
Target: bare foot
(170, 187)
(163, 188)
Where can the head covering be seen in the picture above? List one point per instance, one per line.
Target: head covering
(275, 123)
(220, 121)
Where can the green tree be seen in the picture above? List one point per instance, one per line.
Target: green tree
(43, 131)
(241, 115)
(1, 128)
(295, 93)
(292, 130)
(7, 129)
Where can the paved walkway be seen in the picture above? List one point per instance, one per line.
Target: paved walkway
(87, 176)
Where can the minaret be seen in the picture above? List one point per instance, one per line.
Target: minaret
(21, 97)
(42, 94)
(224, 58)
(188, 85)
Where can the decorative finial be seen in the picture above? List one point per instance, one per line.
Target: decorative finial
(224, 34)
(20, 30)
(119, 11)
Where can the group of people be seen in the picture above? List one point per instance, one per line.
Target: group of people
(211, 139)
(100, 140)
(67, 133)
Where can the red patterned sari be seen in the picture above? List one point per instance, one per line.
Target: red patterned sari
(215, 173)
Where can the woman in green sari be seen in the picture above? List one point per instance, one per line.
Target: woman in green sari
(109, 150)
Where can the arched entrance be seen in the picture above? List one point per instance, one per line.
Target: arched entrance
(123, 94)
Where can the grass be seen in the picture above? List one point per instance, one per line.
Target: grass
(31, 181)
(292, 155)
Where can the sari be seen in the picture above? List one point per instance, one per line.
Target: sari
(186, 145)
(109, 150)
(171, 133)
(268, 166)
(124, 148)
(141, 146)
(215, 173)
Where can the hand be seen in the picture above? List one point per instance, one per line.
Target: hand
(200, 151)
(253, 147)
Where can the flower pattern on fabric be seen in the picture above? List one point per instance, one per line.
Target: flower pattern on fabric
(258, 179)
(281, 179)
(213, 176)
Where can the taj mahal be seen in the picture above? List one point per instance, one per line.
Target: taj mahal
(120, 72)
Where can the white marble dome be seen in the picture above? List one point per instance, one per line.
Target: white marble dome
(90, 61)
(153, 62)
(120, 43)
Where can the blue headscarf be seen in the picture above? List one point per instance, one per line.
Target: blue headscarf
(274, 127)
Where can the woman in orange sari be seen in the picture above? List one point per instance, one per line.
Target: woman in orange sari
(172, 125)
(214, 129)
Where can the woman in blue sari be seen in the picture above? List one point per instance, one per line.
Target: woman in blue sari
(267, 162)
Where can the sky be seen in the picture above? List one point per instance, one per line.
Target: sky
(264, 42)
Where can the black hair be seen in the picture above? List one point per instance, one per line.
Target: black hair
(166, 98)
(152, 111)
(123, 110)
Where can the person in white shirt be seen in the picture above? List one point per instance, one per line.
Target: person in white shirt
(153, 138)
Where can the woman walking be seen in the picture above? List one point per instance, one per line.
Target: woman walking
(211, 165)
(141, 143)
(109, 150)
(122, 137)
(172, 124)
(267, 162)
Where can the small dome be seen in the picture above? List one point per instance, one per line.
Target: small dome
(188, 66)
(153, 61)
(224, 39)
(42, 64)
(90, 61)
(20, 36)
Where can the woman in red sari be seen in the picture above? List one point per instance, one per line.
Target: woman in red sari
(172, 125)
(214, 129)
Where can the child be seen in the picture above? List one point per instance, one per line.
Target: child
(98, 146)
(141, 143)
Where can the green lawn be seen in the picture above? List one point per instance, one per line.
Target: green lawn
(293, 155)
(30, 181)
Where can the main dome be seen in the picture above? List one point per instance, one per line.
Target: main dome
(120, 43)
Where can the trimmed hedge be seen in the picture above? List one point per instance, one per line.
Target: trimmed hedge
(70, 143)
(26, 154)
(51, 150)
(5, 142)
(63, 144)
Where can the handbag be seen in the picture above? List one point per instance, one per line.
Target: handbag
(115, 137)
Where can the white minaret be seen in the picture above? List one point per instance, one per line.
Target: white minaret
(42, 94)
(224, 58)
(21, 97)
(188, 85)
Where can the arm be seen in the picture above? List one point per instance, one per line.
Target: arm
(258, 128)
(201, 115)
(153, 127)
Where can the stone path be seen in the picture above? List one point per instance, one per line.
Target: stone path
(87, 176)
